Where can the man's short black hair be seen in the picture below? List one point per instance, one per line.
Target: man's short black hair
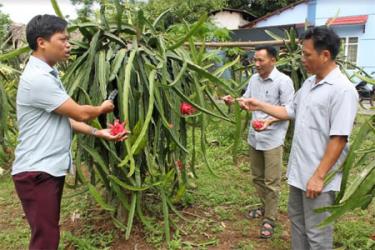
(43, 26)
(271, 51)
(324, 38)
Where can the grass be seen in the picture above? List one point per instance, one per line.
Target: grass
(15, 233)
(226, 199)
(214, 209)
(13, 230)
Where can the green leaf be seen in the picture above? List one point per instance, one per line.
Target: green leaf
(136, 146)
(160, 17)
(80, 44)
(77, 81)
(101, 71)
(115, 38)
(131, 216)
(165, 215)
(274, 36)
(185, 98)
(218, 72)
(180, 74)
(4, 107)
(119, 11)
(365, 78)
(97, 158)
(10, 70)
(150, 109)
(350, 160)
(14, 53)
(361, 177)
(126, 90)
(127, 29)
(189, 34)
(117, 63)
(126, 186)
(360, 196)
(204, 73)
(57, 9)
(103, 18)
(73, 27)
(293, 39)
(98, 198)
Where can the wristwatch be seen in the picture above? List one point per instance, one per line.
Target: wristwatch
(93, 131)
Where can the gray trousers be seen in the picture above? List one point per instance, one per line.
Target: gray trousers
(305, 233)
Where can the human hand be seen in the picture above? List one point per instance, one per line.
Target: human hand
(314, 186)
(107, 106)
(228, 99)
(106, 135)
(261, 124)
(249, 104)
(242, 102)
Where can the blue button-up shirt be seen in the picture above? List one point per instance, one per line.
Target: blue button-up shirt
(276, 89)
(44, 137)
(321, 110)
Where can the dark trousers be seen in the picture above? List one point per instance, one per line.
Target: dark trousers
(40, 195)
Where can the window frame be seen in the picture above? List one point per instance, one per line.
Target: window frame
(345, 40)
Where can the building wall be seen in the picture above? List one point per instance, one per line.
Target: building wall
(329, 8)
(326, 9)
(229, 20)
(297, 14)
(366, 34)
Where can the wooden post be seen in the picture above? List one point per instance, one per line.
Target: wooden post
(247, 44)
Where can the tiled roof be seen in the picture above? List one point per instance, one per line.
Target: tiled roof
(348, 20)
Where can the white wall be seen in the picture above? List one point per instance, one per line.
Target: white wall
(229, 20)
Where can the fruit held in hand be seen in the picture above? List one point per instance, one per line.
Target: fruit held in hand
(257, 124)
(117, 127)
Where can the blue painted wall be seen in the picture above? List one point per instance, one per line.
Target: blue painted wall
(297, 14)
(319, 11)
(366, 35)
(311, 11)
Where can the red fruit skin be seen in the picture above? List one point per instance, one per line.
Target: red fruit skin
(117, 128)
(186, 109)
(257, 124)
(179, 164)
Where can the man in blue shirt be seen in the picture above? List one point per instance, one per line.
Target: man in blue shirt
(46, 116)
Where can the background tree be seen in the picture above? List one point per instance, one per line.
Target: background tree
(259, 7)
(4, 25)
(188, 10)
(85, 9)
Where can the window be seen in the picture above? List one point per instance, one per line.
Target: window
(349, 49)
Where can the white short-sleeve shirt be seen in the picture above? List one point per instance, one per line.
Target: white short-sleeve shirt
(44, 136)
(320, 110)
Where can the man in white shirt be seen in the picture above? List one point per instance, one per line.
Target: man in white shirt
(266, 145)
(324, 110)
